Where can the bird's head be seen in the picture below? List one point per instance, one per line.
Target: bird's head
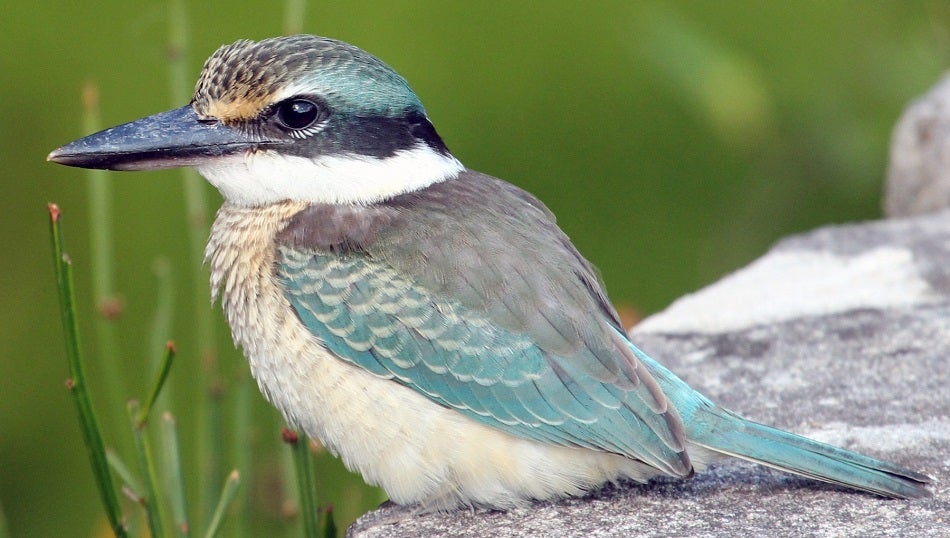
(300, 118)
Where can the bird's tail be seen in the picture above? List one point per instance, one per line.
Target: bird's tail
(725, 432)
(721, 430)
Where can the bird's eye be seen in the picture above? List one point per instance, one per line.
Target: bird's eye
(298, 113)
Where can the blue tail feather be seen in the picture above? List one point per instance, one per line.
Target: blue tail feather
(723, 431)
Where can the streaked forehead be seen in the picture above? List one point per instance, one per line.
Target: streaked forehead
(242, 78)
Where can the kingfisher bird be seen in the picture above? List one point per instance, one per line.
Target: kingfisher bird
(429, 324)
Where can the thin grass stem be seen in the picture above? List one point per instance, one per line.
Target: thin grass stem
(293, 16)
(89, 424)
(157, 385)
(174, 478)
(227, 493)
(152, 497)
(242, 450)
(327, 524)
(131, 482)
(102, 268)
(161, 326)
(209, 445)
(306, 491)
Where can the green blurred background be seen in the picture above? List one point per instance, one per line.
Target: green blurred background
(675, 141)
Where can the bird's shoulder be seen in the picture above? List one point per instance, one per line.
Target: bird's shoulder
(456, 205)
(484, 242)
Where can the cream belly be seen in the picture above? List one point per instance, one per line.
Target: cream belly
(417, 450)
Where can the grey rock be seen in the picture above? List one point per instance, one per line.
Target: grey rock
(841, 334)
(918, 178)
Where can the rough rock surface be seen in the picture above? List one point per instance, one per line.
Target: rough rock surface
(918, 177)
(842, 335)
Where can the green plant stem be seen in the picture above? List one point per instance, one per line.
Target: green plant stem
(293, 16)
(212, 442)
(242, 444)
(209, 445)
(227, 493)
(157, 385)
(121, 469)
(162, 319)
(143, 449)
(175, 482)
(327, 524)
(102, 268)
(306, 493)
(89, 425)
(287, 480)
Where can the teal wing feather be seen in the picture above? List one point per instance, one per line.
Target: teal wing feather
(373, 317)
(501, 321)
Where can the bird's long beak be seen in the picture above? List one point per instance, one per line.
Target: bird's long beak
(165, 140)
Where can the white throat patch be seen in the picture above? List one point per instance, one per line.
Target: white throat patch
(266, 177)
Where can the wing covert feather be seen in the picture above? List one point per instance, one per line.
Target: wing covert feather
(503, 321)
